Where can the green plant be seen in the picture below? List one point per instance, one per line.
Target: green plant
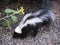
(12, 16)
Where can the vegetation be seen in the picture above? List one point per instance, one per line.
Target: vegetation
(11, 16)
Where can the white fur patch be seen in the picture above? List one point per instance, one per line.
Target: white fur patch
(50, 15)
(18, 30)
(24, 18)
(53, 16)
(27, 15)
(32, 21)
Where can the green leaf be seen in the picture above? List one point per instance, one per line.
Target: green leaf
(9, 10)
(8, 23)
(14, 18)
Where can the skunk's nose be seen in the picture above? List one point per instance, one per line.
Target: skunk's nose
(16, 35)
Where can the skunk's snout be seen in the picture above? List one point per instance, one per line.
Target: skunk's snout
(18, 30)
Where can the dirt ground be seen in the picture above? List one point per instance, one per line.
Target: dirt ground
(47, 35)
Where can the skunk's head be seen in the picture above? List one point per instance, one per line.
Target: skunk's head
(21, 32)
(22, 29)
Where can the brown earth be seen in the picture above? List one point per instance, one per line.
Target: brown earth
(47, 35)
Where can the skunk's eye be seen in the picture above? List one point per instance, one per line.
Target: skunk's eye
(28, 25)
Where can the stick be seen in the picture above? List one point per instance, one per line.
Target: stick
(8, 16)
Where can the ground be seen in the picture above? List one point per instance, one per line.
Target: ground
(47, 35)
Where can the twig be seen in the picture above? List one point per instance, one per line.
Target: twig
(8, 16)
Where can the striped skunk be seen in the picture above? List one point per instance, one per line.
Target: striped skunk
(32, 22)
